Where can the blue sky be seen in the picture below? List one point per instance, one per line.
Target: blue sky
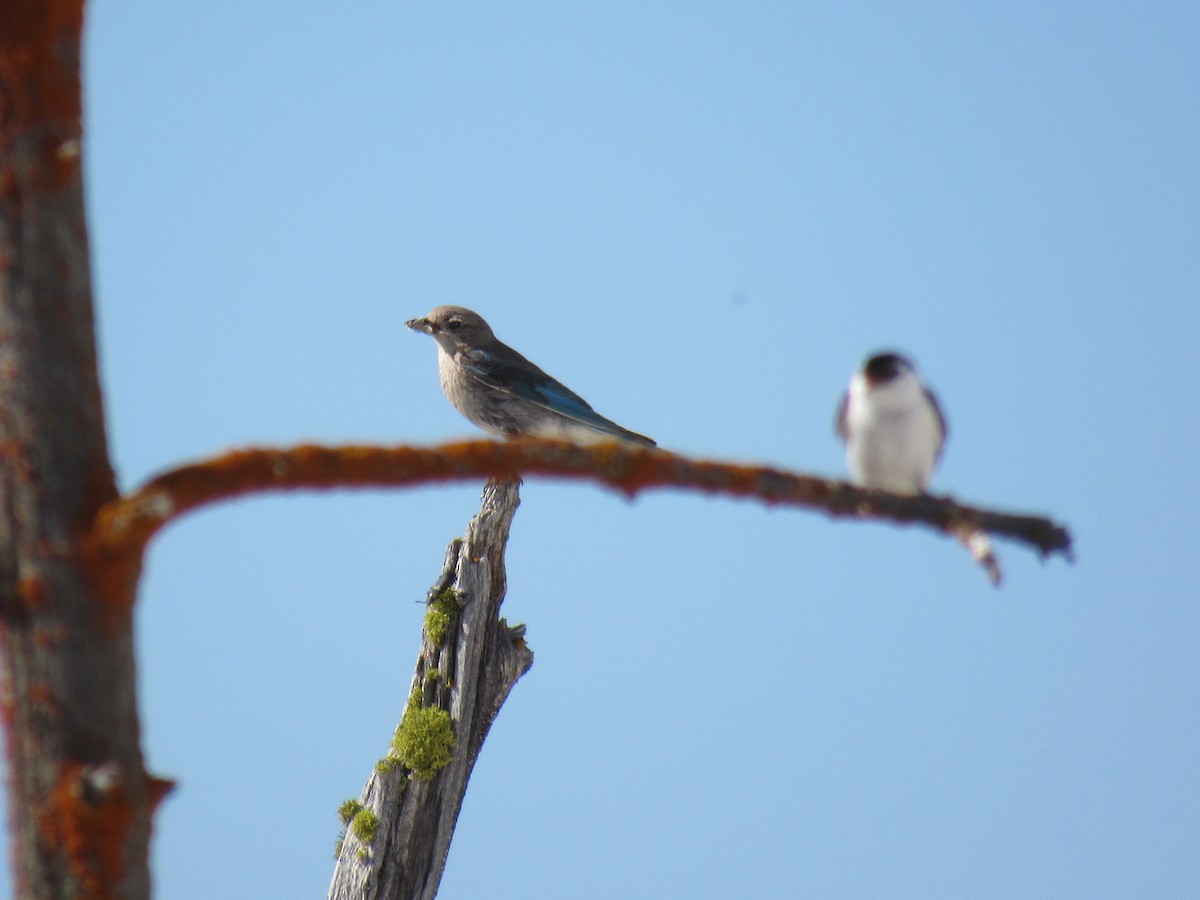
(700, 216)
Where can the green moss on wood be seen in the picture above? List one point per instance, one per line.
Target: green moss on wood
(364, 825)
(424, 740)
(348, 810)
(441, 614)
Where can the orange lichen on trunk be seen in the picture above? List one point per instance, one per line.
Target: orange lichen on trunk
(87, 817)
(31, 591)
(112, 576)
(39, 46)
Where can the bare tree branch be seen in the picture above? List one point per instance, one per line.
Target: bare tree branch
(399, 834)
(125, 526)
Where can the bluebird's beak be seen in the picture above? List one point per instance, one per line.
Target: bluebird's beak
(423, 325)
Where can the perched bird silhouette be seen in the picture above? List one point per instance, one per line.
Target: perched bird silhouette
(892, 426)
(502, 392)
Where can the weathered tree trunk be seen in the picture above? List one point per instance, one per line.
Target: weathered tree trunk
(468, 672)
(79, 798)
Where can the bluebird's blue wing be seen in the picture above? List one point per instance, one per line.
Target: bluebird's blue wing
(503, 368)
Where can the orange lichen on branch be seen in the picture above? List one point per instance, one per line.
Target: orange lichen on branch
(124, 526)
(86, 818)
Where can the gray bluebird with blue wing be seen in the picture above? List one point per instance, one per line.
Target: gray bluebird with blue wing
(502, 392)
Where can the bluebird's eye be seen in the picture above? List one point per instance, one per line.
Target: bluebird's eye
(454, 325)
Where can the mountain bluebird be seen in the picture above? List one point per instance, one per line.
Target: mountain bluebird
(502, 392)
(892, 426)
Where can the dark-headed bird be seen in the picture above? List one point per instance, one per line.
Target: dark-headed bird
(892, 426)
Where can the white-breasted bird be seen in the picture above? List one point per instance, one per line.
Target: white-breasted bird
(892, 426)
